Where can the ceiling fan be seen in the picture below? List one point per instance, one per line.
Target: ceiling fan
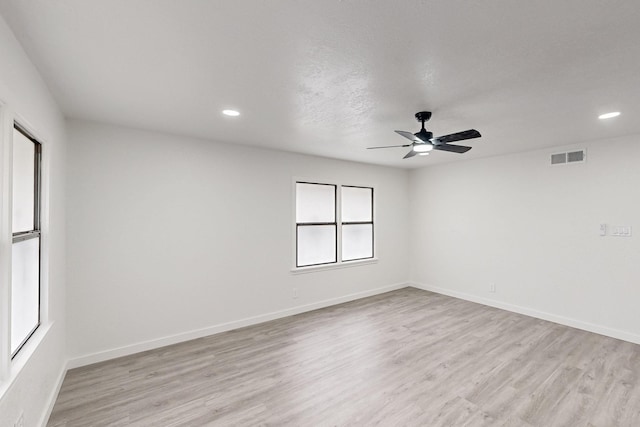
(422, 142)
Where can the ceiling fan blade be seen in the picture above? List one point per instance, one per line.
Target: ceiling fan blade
(459, 136)
(410, 154)
(452, 148)
(409, 135)
(390, 146)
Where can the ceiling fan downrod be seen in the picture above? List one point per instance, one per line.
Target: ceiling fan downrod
(423, 116)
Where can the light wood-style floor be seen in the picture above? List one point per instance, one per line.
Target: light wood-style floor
(406, 358)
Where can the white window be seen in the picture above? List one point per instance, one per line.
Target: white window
(316, 226)
(25, 250)
(334, 223)
(357, 223)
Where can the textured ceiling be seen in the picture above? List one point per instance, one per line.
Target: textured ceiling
(331, 78)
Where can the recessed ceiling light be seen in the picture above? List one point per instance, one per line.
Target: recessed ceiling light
(421, 148)
(232, 113)
(609, 115)
(423, 154)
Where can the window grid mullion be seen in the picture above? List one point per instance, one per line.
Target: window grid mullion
(25, 235)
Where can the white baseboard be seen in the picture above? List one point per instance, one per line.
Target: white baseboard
(51, 401)
(567, 321)
(223, 327)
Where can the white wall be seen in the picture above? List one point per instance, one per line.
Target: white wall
(32, 388)
(533, 230)
(170, 235)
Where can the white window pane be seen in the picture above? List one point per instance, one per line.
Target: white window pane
(357, 241)
(316, 244)
(315, 203)
(23, 181)
(25, 290)
(356, 204)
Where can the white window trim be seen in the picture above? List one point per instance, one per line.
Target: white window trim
(6, 241)
(339, 263)
(335, 265)
(10, 368)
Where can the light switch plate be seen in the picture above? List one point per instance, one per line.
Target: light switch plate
(603, 229)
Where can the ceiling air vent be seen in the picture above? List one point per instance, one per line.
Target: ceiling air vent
(559, 158)
(577, 156)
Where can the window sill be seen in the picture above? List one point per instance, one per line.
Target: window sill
(23, 356)
(344, 264)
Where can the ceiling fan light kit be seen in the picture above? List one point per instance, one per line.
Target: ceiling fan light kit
(423, 141)
(422, 148)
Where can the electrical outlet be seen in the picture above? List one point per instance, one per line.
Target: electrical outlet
(621, 231)
(20, 421)
(492, 287)
(295, 293)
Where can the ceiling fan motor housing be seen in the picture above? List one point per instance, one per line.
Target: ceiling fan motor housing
(424, 135)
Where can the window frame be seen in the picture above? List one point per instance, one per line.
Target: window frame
(315, 224)
(343, 223)
(35, 232)
(11, 367)
(338, 263)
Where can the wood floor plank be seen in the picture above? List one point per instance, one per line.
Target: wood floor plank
(407, 357)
